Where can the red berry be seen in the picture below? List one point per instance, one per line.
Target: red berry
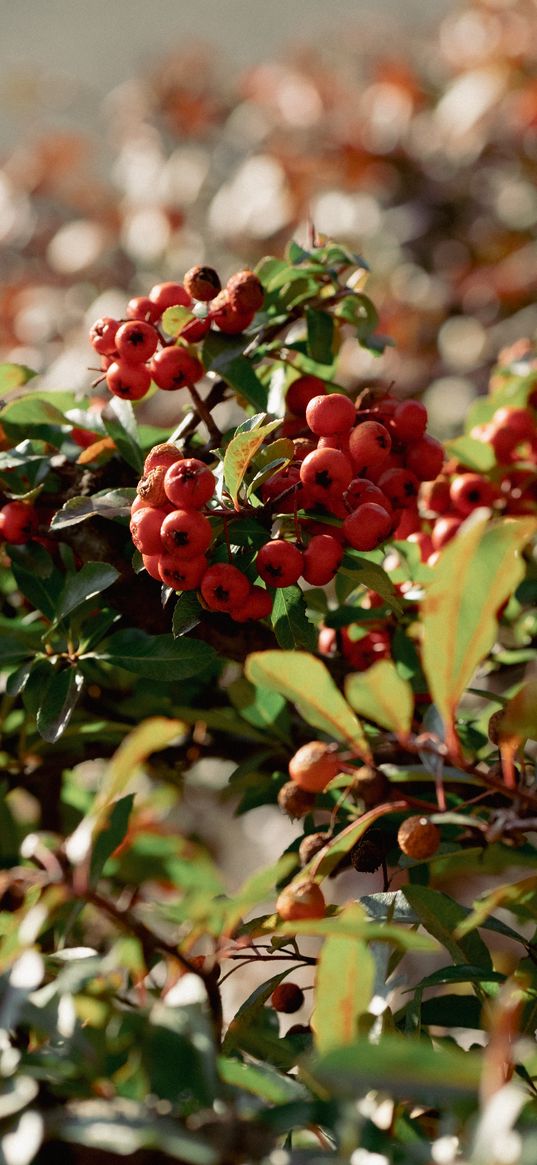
(227, 318)
(282, 483)
(409, 523)
(325, 473)
(369, 446)
(301, 391)
(469, 490)
(425, 458)
(287, 998)
(335, 441)
(128, 381)
(245, 291)
(400, 486)
(258, 605)
(362, 653)
(321, 559)
(136, 341)
(103, 336)
(301, 900)
(189, 483)
(409, 420)
(314, 765)
(174, 367)
(519, 422)
(423, 542)
(142, 308)
(145, 529)
(187, 532)
(331, 414)
(165, 295)
(362, 490)
(436, 496)
(444, 530)
(163, 454)
(202, 283)
(367, 526)
(183, 574)
(18, 522)
(151, 563)
(279, 563)
(195, 330)
(224, 587)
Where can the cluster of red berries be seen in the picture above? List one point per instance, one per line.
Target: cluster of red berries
(508, 488)
(170, 526)
(363, 466)
(137, 351)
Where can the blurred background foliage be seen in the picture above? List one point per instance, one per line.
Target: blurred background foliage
(415, 143)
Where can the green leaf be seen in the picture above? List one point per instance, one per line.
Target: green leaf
(520, 897)
(261, 1080)
(111, 835)
(42, 592)
(308, 684)
(452, 1011)
(519, 717)
(224, 355)
(320, 327)
(463, 973)
(186, 614)
(249, 1010)
(240, 453)
(57, 703)
(120, 423)
(338, 926)
(459, 612)
(125, 1126)
(476, 455)
(382, 696)
(344, 985)
(258, 706)
(402, 1067)
(441, 916)
(363, 572)
(114, 503)
(90, 580)
(175, 318)
(14, 376)
(156, 657)
(290, 621)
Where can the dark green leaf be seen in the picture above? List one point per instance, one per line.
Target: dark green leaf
(440, 915)
(400, 1066)
(452, 1011)
(43, 593)
(91, 580)
(363, 572)
(157, 657)
(290, 620)
(114, 503)
(187, 613)
(58, 701)
(112, 835)
(120, 424)
(320, 335)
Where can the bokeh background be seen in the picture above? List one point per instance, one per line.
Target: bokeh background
(138, 139)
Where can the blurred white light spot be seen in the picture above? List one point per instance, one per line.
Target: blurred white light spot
(183, 175)
(444, 1151)
(188, 989)
(20, 1146)
(31, 924)
(461, 342)
(145, 234)
(298, 100)
(516, 204)
(66, 1016)
(364, 1157)
(448, 400)
(256, 201)
(338, 214)
(467, 100)
(28, 971)
(75, 246)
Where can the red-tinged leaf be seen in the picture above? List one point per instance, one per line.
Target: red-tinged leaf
(474, 576)
(382, 696)
(308, 684)
(343, 987)
(240, 453)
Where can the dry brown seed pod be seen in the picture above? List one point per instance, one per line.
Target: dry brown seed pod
(151, 486)
(245, 291)
(294, 800)
(418, 837)
(371, 785)
(368, 853)
(310, 846)
(202, 283)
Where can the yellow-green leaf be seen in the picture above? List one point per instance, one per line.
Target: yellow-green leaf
(474, 575)
(382, 696)
(308, 684)
(240, 452)
(148, 737)
(343, 987)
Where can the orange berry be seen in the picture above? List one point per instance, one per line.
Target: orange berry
(301, 900)
(418, 837)
(314, 765)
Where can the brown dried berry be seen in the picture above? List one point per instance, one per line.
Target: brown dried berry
(494, 726)
(202, 283)
(163, 454)
(301, 900)
(151, 487)
(245, 291)
(295, 801)
(418, 837)
(370, 785)
(368, 853)
(310, 846)
(287, 997)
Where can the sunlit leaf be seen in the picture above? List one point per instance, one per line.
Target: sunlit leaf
(240, 453)
(400, 1066)
(343, 987)
(442, 916)
(308, 684)
(382, 696)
